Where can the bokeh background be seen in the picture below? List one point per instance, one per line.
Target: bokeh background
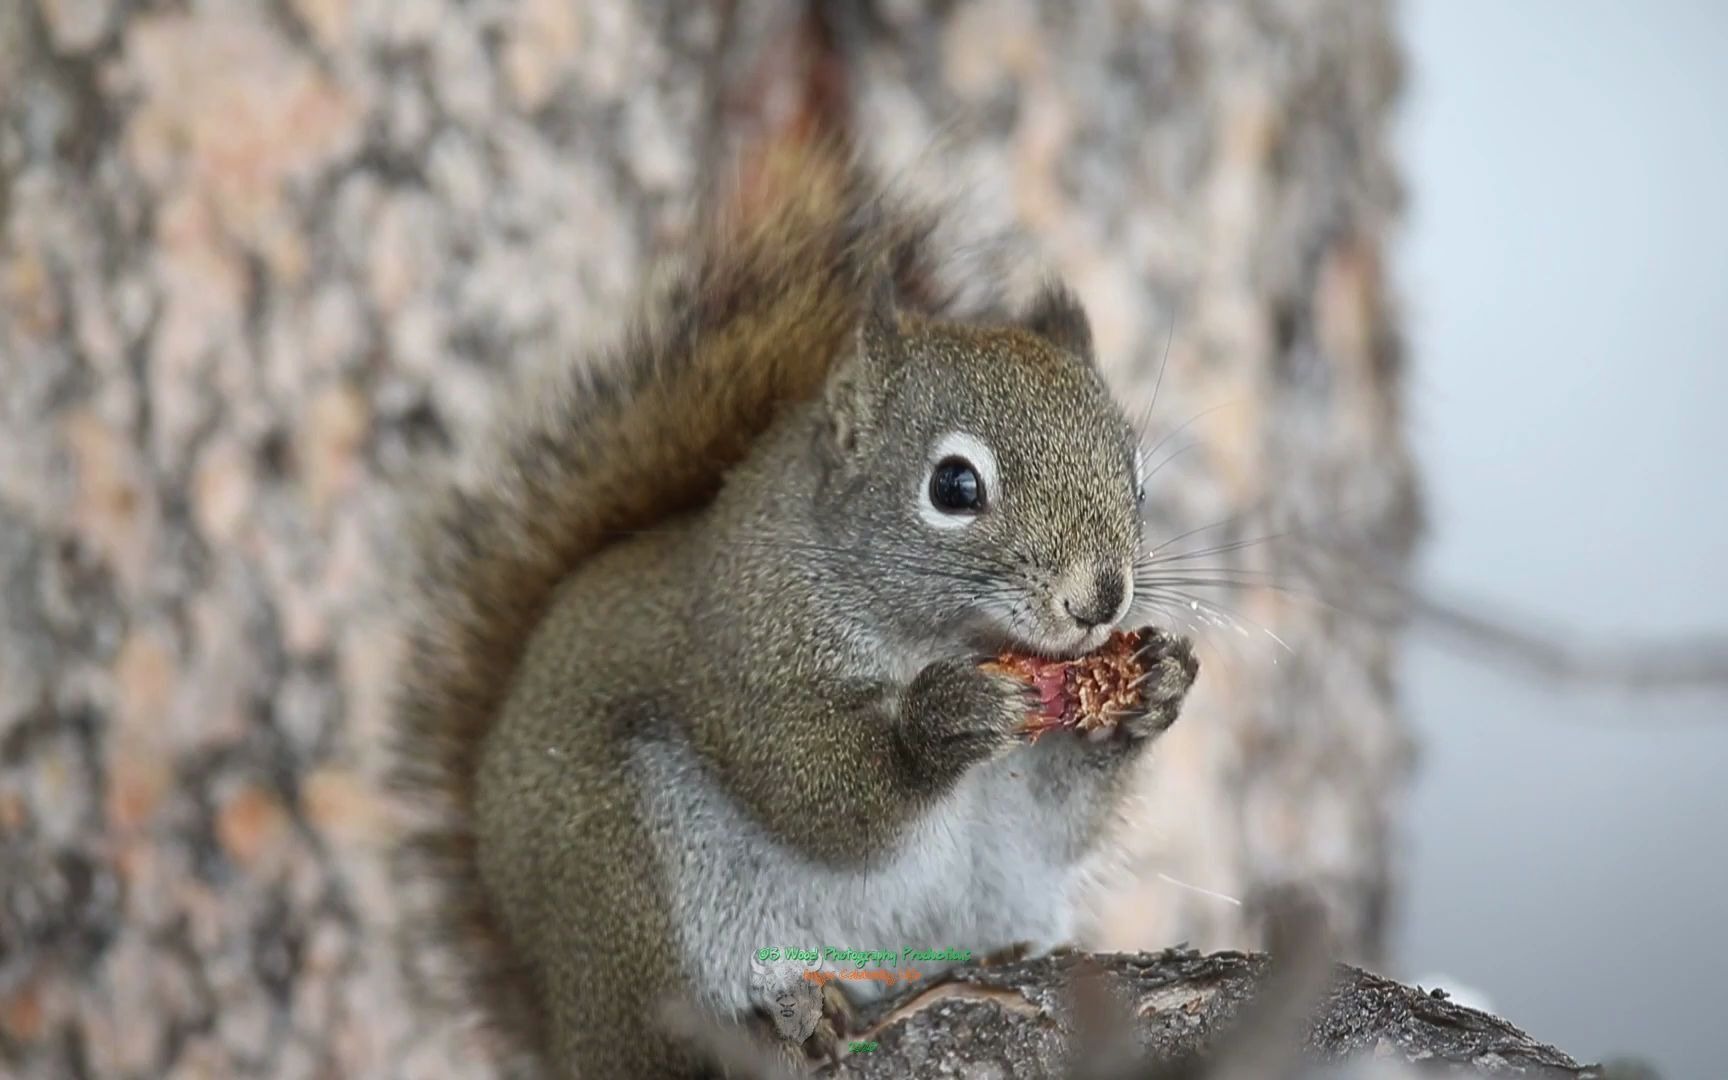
(1564, 275)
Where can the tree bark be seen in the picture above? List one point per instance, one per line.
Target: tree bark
(1177, 1008)
(264, 267)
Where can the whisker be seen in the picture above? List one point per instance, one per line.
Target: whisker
(1157, 383)
(1216, 582)
(1167, 611)
(1179, 537)
(1228, 519)
(1252, 582)
(1152, 557)
(1171, 611)
(1201, 606)
(1192, 420)
(1233, 573)
(1167, 879)
(1211, 614)
(1155, 470)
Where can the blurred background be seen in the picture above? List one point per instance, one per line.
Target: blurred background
(1445, 282)
(1564, 274)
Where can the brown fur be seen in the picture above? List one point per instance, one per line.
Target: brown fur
(621, 444)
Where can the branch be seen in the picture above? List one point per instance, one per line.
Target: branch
(1179, 1010)
(1350, 580)
(1677, 662)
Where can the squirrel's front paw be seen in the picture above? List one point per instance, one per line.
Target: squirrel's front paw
(955, 714)
(1170, 672)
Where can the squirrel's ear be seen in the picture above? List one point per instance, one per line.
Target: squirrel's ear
(879, 329)
(855, 384)
(1057, 317)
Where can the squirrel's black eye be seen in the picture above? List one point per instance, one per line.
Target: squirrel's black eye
(956, 487)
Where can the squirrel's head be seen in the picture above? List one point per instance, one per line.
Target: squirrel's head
(984, 478)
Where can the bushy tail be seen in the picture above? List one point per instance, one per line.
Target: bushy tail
(616, 444)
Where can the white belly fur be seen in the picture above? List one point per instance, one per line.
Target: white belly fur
(985, 868)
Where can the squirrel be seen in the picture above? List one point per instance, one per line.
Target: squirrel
(696, 672)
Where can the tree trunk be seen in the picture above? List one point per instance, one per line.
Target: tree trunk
(265, 265)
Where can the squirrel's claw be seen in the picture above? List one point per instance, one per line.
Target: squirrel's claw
(1171, 668)
(839, 1020)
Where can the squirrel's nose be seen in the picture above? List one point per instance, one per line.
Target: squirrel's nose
(1109, 589)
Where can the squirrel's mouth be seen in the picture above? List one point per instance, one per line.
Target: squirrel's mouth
(1083, 642)
(1042, 642)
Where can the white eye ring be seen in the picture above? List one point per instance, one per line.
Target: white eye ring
(956, 444)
